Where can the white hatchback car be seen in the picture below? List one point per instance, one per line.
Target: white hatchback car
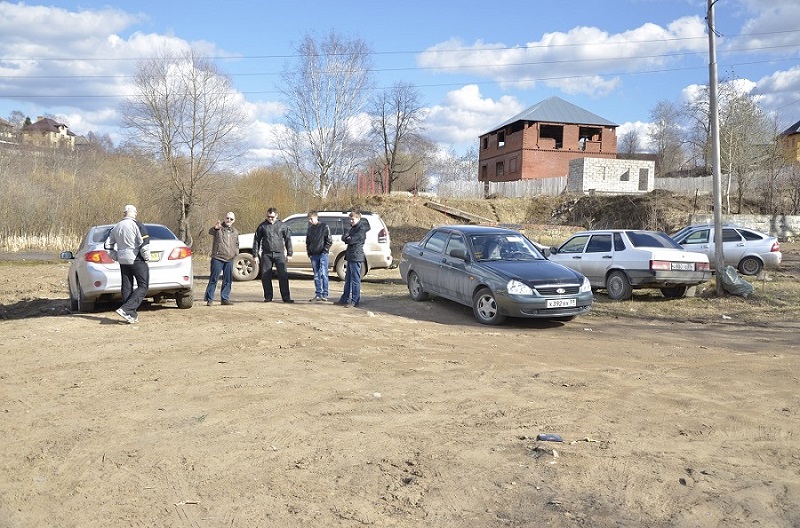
(377, 248)
(620, 260)
(93, 276)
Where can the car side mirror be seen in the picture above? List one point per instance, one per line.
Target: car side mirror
(459, 254)
(67, 255)
(552, 251)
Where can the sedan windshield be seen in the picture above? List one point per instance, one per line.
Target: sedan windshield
(503, 246)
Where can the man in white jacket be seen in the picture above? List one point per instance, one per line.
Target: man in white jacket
(132, 244)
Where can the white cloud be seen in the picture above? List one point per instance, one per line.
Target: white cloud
(577, 61)
(465, 114)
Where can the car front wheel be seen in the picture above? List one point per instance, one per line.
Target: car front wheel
(415, 287)
(485, 308)
(245, 267)
(750, 266)
(618, 286)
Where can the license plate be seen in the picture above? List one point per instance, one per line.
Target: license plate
(560, 303)
(155, 256)
(683, 266)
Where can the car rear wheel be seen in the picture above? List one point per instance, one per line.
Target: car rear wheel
(485, 308)
(674, 292)
(73, 302)
(185, 299)
(618, 286)
(750, 266)
(84, 304)
(341, 267)
(415, 288)
(245, 267)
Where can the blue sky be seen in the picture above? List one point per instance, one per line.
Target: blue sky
(474, 63)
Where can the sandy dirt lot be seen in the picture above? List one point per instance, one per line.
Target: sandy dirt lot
(397, 414)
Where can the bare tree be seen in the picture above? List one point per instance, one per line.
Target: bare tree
(397, 124)
(630, 143)
(185, 113)
(665, 136)
(324, 95)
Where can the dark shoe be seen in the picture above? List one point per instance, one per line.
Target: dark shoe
(226, 302)
(267, 300)
(323, 299)
(209, 303)
(348, 305)
(316, 298)
(341, 302)
(289, 301)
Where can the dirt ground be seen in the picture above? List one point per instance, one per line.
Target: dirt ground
(396, 414)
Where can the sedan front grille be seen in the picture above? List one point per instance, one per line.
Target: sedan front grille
(558, 289)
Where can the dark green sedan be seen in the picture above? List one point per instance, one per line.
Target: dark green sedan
(497, 271)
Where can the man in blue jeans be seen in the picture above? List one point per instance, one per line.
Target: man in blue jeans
(318, 244)
(354, 255)
(224, 249)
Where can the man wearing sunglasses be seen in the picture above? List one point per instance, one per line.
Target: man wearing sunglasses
(272, 242)
(223, 250)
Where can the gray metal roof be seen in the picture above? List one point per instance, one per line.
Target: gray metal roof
(794, 129)
(557, 110)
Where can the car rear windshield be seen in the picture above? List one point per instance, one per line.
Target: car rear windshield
(156, 232)
(651, 239)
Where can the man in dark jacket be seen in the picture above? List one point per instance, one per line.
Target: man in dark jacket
(354, 255)
(272, 243)
(223, 250)
(318, 244)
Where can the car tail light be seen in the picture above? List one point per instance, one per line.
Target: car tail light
(383, 236)
(660, 265)
(180, 253)
(775, 247)
(702, 266)
(98, 257)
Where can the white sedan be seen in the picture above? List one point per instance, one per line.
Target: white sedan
(619, 260)
(93, 276)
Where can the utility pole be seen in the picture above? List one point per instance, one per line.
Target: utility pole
(713, 90)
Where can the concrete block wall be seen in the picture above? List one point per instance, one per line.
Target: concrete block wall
(609, 176)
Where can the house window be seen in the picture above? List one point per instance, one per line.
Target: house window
(555, 132)
(626, 176)
(643, 177)
(512, 165)
(499, 169)
(501, 139)
(485, 142)
(484, 172)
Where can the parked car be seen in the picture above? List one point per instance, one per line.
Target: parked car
(745, 249)
(497, 271)
(620, 260)
(376, 248)
(93, 276)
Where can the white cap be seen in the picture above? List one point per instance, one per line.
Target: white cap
(130, 210)
(231, 215)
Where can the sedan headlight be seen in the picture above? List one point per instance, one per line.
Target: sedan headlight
(585, 286)
(515, 287)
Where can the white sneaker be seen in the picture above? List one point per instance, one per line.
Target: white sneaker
(125, 316)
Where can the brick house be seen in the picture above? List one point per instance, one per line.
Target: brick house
(541, 141)
(790, 141)
(46, 132)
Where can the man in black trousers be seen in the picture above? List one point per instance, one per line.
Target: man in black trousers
(272, 243)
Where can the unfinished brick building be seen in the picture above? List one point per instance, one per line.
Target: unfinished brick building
(540, 142)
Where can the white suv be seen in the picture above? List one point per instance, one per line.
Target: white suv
(376, 248)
